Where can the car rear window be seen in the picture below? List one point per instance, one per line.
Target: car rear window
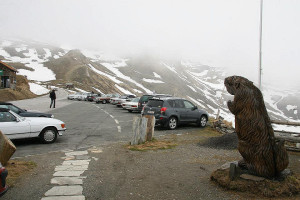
(155, 103)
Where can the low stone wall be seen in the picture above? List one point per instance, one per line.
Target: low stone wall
(222, 126)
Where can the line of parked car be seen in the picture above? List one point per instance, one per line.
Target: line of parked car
(169, 111)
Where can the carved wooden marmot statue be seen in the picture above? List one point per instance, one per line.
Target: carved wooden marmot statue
(262, 156)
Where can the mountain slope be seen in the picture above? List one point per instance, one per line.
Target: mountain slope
(96, 72)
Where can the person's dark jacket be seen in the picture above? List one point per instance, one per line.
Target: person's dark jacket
(52, 94)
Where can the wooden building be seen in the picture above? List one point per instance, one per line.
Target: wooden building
(8, 76)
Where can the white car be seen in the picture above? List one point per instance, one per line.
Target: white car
(16, 127)
(83, 96)
(132, 105)
(74, 96)
(126, 98)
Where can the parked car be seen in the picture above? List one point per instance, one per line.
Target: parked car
(171, 111)
(3, 175)
(23, 112)
(145, 98)
(16, 127)
(92, 96)
(83, 96)
(105, 98)
(131, 105)
(74, 96)
(118, 101)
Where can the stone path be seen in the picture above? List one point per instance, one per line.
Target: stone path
(68, 179)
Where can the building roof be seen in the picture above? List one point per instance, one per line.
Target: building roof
(9, 67)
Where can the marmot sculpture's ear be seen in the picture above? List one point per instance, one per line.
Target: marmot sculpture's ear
(236, 85)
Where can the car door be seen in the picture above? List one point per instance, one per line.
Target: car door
(180, 110)
(14, 127)
(191, 112)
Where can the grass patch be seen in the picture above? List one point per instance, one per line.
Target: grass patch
(152, 145)
(16, 169)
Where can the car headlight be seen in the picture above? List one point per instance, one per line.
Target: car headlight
(52, 116)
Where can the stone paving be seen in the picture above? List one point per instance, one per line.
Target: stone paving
(67, 179)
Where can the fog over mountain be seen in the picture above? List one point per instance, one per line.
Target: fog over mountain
(203, 85)
(216, 33)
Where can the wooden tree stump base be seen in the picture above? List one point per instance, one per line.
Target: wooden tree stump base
(7, 149)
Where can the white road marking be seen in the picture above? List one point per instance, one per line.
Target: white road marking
(117, 122)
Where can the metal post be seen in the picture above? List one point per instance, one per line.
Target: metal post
(260, 44)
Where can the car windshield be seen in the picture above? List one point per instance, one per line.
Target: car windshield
(155, 103)
(13, 108)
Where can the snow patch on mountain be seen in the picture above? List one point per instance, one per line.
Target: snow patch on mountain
(113, 67)
(196, 102)
(152, 81)
(169, 67)
(48, 53)
(38, 89)
(114, 79)
(138, 91)
(19, 49)
(193, 89)
(290, 107)
(156, 75)
(81, 90)
(32, 61)
(123, 90)
(99, 91)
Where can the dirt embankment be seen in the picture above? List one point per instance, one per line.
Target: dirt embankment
(22, 91)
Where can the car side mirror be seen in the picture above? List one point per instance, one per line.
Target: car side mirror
(195, 108)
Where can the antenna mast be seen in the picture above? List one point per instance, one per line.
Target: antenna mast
(260, 44)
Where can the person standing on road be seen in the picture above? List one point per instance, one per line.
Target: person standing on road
(53, 97)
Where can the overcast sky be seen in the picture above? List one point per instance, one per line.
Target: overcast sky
(219, 33)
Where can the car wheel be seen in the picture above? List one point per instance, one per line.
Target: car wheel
(48, 135)
(104, 101)
(202, 121)
(172, 123)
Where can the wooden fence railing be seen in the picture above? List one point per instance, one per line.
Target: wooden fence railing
(292, 138)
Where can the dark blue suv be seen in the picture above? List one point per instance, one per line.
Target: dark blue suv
(171, 111)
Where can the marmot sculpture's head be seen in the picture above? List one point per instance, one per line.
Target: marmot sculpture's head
(233, 83)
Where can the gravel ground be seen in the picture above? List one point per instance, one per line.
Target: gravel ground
(115, 172)
(227, 141)
(178, 173)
